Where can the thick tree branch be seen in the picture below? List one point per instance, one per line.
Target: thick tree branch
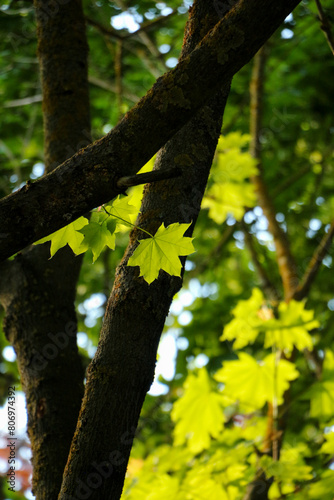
(88, 179)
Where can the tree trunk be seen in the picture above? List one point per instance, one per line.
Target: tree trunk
(38, 294)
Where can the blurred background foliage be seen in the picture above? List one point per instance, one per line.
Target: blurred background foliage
(297, 155)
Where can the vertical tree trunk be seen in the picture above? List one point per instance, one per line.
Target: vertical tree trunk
(123, 368)
(38, 294)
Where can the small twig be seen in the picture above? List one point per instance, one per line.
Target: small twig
(154, 176)
(267, 284)
(149, 24)
(103, 29)
(304, 287)
(119, 76)
(111, 87)
(325, 26)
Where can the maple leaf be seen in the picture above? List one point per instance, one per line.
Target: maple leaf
(97, 236)
(254, 383)
(198, 413)
(162, 251)
(68, 235)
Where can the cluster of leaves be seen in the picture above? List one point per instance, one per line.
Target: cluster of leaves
(219, 422)
(230, 191)
(155, 253)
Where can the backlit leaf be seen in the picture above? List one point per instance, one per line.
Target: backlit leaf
(97, 236)
(69, 235)
(198, 413)
(162, 252)
(255, 383)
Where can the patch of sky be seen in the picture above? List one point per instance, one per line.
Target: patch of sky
(171, 62)
(129, 20)
(9, 353)
(37, 170)
(286, 34)
(164, 48)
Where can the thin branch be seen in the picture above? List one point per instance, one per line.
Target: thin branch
(23, 102)
(285, 260)
(109, 32)
(325, 26)
(103, 84)
(119, 77)
(151, 24)
(154, 176)
(111, 87)
(310, 274)
(145, 39)
(289, 181)
(103, 29)
(267, 284)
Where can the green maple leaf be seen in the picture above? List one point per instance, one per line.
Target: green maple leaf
(231, 191)
(124, 209)
(97, 236)
(162, 252)
(255, 383)
(69, 235)
(322, 393)
(328, 446)
(289, 330)
(245, 326)
(198, 413)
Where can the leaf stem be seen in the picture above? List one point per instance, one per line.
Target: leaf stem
(127, 222)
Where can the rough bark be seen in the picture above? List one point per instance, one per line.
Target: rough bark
(88, 179)
(123, 367)
(37, 293)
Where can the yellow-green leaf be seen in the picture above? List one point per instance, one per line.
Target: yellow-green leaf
(198, 413)
(245, 326)
(291, 328)
(328, 446)
(123, 208)
(162, 252)
(255, 383)
(96, 237)
(69, 235)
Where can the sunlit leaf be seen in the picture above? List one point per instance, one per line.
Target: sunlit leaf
(322, 392)
(162, 252)
(123, 208)
(255, 383)
(198, 413)
(290, 329)
(231, 191)
(97, 236)
(328, 446)
(245, 326)
(69, 235)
